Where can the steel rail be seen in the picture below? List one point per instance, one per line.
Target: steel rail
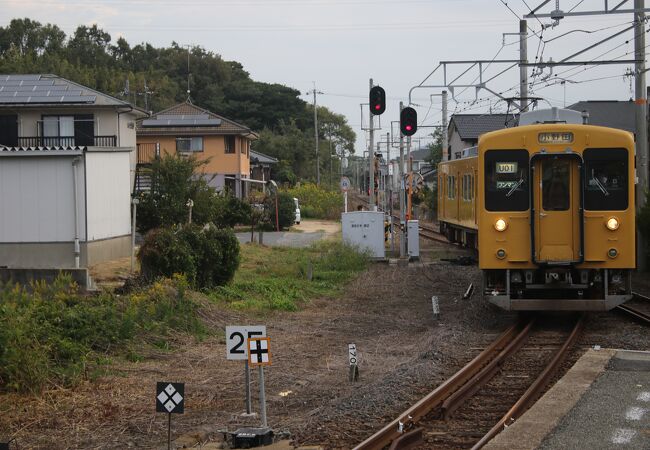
(536, 388)
(456, 400)
(638, 296)
(635, 313)
(405, 422)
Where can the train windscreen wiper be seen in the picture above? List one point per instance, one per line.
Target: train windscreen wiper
(600, 185)
(514, 188)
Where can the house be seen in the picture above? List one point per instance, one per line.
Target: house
(186, 129)
(465, 129)
(261, 166)
(609, 113)
(67, 155)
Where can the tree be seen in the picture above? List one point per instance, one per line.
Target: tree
(175, 180)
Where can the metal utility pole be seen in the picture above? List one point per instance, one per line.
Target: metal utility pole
(445, 136)
(371, 157)
(402, 200)
(314, 91)
(641, 106)
(523, 70)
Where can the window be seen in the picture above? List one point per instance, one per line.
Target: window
(556, 182)
(68, 130)
(506, 180)
(229, 142)
(189, 144)
(606, 179)
(451, 187)
(9, 130)
(468, 187)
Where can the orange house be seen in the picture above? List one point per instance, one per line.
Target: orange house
(186, 129)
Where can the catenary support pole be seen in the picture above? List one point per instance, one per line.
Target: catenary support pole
(641, 107)
(523, 70)
(445, 136)
(371, 158)
(402, 203)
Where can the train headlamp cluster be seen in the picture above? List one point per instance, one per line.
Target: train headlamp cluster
(612, 224)
(500, 225)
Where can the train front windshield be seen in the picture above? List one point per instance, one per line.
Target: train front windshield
(506, 180)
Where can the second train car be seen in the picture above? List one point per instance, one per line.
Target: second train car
(549, 205)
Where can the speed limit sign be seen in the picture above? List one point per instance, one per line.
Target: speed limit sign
(345, 184)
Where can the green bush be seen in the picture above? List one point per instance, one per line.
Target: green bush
(163, 254)
(207, 256)
(287, 210)
(229, 211)
(51, 335)
(318, 203)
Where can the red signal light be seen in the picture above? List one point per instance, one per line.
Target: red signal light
(409, 127)
(377, 107)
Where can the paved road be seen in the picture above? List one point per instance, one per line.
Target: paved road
(283, 238)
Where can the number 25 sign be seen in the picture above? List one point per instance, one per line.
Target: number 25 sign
(236, 337)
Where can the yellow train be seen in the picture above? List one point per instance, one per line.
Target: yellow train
(550, 206)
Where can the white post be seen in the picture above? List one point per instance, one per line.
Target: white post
(345, 201)
(135, 202)
(262, 397)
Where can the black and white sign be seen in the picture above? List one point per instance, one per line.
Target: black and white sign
(170, 397)
(352, 354)
(259, 350)
(236, 337)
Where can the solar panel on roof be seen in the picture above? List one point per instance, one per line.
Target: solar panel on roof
(27, 82)
(180, 122)
(181, 116)
(47, 99)
(20, 77)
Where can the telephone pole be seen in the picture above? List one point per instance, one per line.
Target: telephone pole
(314, 91)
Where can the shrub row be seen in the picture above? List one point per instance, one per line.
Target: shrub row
(318, 203)
(207, 256)
(52, 335)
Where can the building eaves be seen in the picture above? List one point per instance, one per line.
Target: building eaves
(471, 126)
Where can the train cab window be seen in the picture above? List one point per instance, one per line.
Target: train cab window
(606, 179)
(556, 179)
(506, 180)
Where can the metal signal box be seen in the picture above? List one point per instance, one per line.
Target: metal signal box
(365, 229)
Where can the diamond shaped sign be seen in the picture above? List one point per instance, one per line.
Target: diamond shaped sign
(170, 397)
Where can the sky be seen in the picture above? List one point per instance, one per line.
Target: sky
(338, 45)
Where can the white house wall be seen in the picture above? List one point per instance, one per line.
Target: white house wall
(105, 120)
(36, 204)
(109, 196)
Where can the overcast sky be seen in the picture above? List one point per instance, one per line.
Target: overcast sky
(340, 44)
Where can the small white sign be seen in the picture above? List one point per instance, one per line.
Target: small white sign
(352, 354)
(345, 184)
(236, 337)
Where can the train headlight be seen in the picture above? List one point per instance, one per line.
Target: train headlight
(500, 225)
(612, 223)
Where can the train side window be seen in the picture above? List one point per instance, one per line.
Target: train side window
(606, 179)
(506, 180)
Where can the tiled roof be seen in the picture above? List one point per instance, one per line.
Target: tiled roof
(262, 158)
(187, 110)
(471, 126)
(420, 154)
(612, 114)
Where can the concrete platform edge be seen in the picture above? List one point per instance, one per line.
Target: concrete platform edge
(540, 420)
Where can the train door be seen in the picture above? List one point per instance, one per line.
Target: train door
(557, 202)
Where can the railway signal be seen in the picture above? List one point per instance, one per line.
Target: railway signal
(408, 121)
(377, 100)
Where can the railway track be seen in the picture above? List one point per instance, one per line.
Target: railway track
(634, 312)
(494, 389)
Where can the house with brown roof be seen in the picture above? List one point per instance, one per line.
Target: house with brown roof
(187, 129)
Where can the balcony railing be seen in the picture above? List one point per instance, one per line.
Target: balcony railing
(66, 141)
(147, 152)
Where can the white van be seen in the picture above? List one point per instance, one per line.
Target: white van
(295, 200)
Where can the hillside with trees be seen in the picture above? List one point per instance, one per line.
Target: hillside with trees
(156, 78)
